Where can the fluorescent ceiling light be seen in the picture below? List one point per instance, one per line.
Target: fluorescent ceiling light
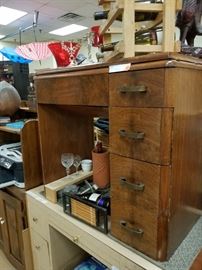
(8, 15)
(67, 30)
(1, 36)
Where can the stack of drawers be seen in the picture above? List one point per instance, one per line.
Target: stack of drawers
(142, 122)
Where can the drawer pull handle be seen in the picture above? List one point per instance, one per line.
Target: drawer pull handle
(75, 239)
(139, 232)
(37, 247)
(138, 186)
(35, 219)
(133, 89)
(132, 135)
(2, 221)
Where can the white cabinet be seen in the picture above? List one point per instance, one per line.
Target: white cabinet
(60, 241)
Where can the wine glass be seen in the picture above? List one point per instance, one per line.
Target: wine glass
(67, 160)
(77, 162)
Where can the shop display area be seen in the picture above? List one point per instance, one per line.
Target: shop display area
(153, 110)
(100, 135)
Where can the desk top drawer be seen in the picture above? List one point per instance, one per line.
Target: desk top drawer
(141, 133)
(143, 88)
(74, 90)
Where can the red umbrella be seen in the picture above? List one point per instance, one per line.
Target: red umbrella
(64, 52)
(34, 51)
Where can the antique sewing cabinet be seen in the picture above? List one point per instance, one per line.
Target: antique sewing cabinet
(155, 141)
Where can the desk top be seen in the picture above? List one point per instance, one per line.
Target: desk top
(164, 59)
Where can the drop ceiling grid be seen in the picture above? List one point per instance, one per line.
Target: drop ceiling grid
(49, 11)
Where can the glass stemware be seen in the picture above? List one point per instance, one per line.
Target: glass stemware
(67, 160)
(77, 162)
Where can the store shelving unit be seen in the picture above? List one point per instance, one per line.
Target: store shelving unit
(166, 18)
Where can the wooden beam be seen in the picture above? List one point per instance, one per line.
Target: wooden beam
(148, 7)
(113, 14)
(128, 28)
(148, 48)
(52, 188)
(114, 30)
(169, 26)
(178, 5)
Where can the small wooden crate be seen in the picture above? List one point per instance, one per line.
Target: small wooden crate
(52, 188)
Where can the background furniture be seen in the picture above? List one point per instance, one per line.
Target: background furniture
(13, 221)
(14, 235)
(17, 74)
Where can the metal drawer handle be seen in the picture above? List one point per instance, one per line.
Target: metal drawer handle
(75, 239)
(2, 221)
(132, 135)
(139, 232)
(35, 219)
(138, 186)
(133, 89)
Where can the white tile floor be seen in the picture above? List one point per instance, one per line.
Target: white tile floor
(4, 263)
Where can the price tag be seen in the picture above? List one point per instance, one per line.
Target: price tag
(119, 68)
(93, 197)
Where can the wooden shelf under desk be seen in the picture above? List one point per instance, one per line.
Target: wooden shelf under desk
(10, 130)
(28, 109)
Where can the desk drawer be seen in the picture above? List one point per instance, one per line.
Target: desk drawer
(141, 133)
(139, 184)
(137, 229)
(137, 88)
(81, 90)
(37, 219)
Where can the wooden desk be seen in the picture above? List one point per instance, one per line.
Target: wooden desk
(154, 111)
